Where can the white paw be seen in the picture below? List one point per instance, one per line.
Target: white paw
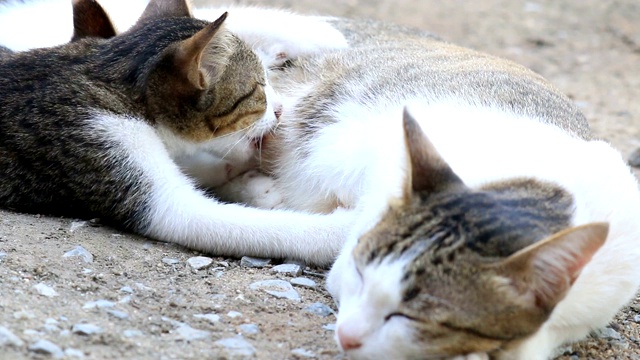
(254, 189)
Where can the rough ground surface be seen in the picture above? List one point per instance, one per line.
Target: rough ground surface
(590, 49)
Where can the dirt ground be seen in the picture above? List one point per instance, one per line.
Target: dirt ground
(590, 49)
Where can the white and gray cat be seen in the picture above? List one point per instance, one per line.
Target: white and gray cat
(506, 234)
(503, 233)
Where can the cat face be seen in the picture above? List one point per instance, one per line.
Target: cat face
(450, 271)
(224, 91)
(203, 83)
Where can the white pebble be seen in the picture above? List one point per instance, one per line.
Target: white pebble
(303, 353)
(131, 333)
(80, 252)
(188, 333)
(304, 282)
(288, 269)
(86, 329)
(249, 328)
(237, 346)
(99, 304)
(277, 288)
(75, 225)
(45, 290)
(212, 318)
(200, 262)
(46, 347)
(234, 314)
(7, 338)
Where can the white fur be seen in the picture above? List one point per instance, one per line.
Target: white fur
(484, 145)
(182, 214)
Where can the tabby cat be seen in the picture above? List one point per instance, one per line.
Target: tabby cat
(505, 233)
(110, 128)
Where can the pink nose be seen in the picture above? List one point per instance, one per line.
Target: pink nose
(348, 341)
(277, 110)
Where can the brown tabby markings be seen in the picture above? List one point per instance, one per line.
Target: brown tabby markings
(483, 268)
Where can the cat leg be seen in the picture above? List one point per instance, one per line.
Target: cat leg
(279, 35)
(174, 210)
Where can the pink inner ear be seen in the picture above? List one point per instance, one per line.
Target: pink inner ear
(554, 264)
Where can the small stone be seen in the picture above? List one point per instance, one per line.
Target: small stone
(249, 328)
(100, 304)
(303, 353)
(330, 327)
(75, 225)
(126, 289)
(237, 346)
(277, 288)
(45, 290)
(2, 255)
(234, 314)
(199, 262)
(131, 333)
(288, 269)
(7, 338)
(86, 329)
(118, 314)
(74, 353)
(319, 309)
(606, 333)
(634, 158)
(46, 347)
(95, 222)
(303, 282)
(212, 318)
(188, 333)
(80, 252)
(170, 261)
(252, 262)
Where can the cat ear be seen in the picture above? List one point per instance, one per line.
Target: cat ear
(160, 9)
(547, 269)
(428, 171)
(90, 20)
(188, 56)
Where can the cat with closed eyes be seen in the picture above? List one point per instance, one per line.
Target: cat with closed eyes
(490, 224)
(111, 128)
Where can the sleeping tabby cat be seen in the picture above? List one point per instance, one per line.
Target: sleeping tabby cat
(108, 129)
(505, 233)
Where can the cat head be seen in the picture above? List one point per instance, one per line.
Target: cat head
(194, 78)
(450, 270)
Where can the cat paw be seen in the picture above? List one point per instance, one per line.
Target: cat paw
(254, 189)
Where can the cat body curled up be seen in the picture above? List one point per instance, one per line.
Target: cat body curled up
(102, 128)
(503, 233)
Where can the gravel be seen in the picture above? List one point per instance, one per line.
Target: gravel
(199, 262)
(288, 269)
(46, 347)
(277, 288)
(80, 252)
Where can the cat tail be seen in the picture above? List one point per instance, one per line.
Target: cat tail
(176, 211)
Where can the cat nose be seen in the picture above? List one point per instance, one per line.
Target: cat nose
(348, 341)
(277, 110)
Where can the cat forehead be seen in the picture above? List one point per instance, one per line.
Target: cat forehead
(493, 222)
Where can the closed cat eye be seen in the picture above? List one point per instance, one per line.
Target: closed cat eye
(399, 314)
